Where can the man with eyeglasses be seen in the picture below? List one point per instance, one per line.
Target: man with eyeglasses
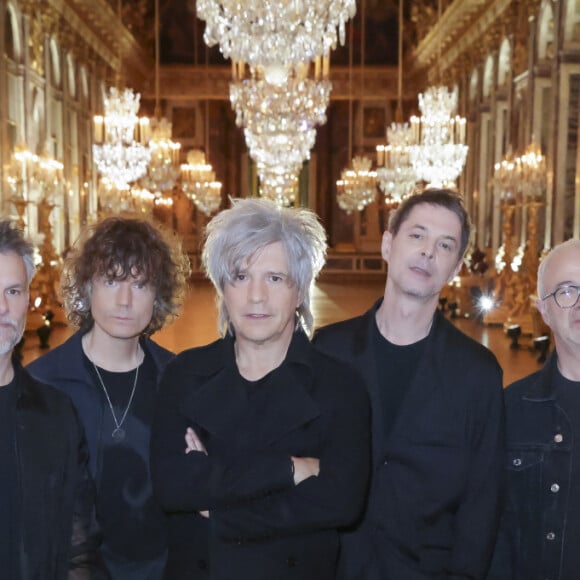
(540, 532)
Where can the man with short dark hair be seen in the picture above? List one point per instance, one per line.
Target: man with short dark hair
(47, 519)
(437, 418)
(540, 530)
(121, 283)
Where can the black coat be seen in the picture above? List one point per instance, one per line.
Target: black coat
(433, 508)
(56, 507)
(262, 526)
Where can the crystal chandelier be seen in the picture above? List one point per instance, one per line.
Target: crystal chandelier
(120, 149)
(439, 152)
(278, 184)
(199, 183)
(395, 173)
(275, 32)
(280, 120)
(357, 186)
(163, 169)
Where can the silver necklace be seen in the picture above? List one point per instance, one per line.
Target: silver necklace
(118, 433)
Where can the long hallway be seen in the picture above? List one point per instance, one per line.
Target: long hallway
(332, 301)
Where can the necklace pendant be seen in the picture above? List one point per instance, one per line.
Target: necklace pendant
(118, 434)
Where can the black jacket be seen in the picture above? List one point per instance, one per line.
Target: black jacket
(540, 451)
(434, 507)
(58, 536)
(64, 368)
(262, 526)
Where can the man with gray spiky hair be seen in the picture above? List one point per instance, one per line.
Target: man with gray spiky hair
(276, 434)
(47, 515)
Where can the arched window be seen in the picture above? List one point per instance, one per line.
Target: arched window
(473, 85)
(488, 76)
(71, 78)
(12, 40)
(546, 47)
(55, 64)
(504, 63)
(572, 21)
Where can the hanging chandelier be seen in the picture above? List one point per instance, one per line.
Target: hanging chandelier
(163, 168)
(280, 120)
(357, 186)
(279, 184)
(395, 173)
(199, 183)
(275, 32)
(439, 152)
(120, 150)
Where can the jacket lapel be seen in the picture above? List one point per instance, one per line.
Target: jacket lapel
(221, 403)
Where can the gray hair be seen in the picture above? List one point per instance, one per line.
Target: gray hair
(12, 240)
(234, 235)
(572, 243)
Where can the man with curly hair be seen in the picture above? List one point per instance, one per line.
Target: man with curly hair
(121, 283)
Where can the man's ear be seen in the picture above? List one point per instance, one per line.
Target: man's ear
(386, 245)
(543, 310)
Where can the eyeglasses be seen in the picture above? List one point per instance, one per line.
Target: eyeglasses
(565, 296)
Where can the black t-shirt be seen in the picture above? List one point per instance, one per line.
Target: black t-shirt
(568, 397)
(396, 367)
(8, 482)
(133, 524)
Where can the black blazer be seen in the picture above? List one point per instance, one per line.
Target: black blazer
(56, 506)
(262, 526)
(435, 486)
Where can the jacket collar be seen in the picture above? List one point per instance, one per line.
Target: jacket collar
(221, 401)
(542, 389)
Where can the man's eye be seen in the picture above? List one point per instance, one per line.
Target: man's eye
(14, 292)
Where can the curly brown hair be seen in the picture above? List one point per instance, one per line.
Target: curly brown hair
(121, 247)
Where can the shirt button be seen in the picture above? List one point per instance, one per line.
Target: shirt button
(558, 438)
(554, 488)
(517, 462)
(550, 536)
(291, 562)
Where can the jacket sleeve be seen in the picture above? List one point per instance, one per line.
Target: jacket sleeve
(335, 497)
(193, 482)
(477, 518)
(85, 562)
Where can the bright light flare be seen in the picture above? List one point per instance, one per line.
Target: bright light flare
(486, 303)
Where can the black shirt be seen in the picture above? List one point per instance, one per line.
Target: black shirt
(568, 397)
(133, 525)
(8, 481)
(396, 367)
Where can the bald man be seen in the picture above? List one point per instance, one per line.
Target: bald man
(540, 531)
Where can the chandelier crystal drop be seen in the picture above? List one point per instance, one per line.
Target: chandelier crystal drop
(199, 183)
(439, 153)
(120, 151)
(357, 186)
(163, 169)
(395, 173)
(275, 32)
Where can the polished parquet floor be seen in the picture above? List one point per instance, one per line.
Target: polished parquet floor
(332, 301)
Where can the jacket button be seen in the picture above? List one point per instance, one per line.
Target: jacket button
(550, 536)
(291, 562)
(202, 564)
(558, 438)
(517, 462)
(554, 488)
